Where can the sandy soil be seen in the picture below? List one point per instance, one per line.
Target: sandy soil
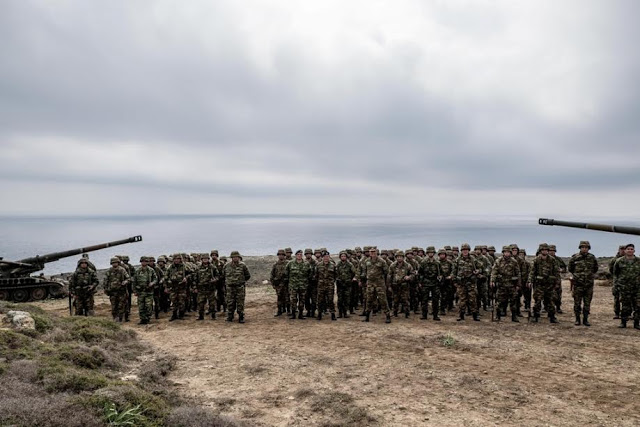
(282, 372)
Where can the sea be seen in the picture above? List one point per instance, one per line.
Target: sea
(23, 237)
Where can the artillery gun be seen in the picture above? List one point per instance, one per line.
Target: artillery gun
(599, 227)
(17, 285)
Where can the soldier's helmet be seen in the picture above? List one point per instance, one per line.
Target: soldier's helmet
(177, 256)
(506, 248)
(484, 247)
(308, 251)
(447, 248)
(543, 246)
(622, 247)
(288, 250)
(442, 251)
(143, 259)
(476, 248)
(151, 259)
(584, 243)
(234, 253)
(465, 246)
(522, 251)
(491, 248)
(366, 248)
(82, 260)
(349, 251)
(629, 245)
(552, 247)
(400, 253)
(205, 256)
(115, 260)
(343, 253)
(514, 246)
(86, 256)
(125, 258)
(455, 248)
(325, 253)
(280, 252)
(357, 249)
(214, 252)
(162, 259)
(431, 249)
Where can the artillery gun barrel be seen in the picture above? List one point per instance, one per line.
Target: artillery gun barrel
(621, 229)
(55, 256)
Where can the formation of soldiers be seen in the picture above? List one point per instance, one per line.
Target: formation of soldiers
(426, 281)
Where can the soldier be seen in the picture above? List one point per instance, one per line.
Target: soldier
(455, 251)
(375, 274)
(515, 250)
(131, 270)
(221, 289)
(163, 296)
(446, 294)
(583, 266)
(158, 289)
(362, 288)
(144, 283)
(288, 257)
(355, 286)
(325, 276)
(206, 280)
(525, 267)
(483, 278)
(626, 273)
(317, 254)
(543, 280)
(401, 274)
(236, 274)
(562, 268)
(310, 298)
(413, 285)
(614, 289)
(297, 277)
(177, 279)
(82, 287)
(90, 265)
(506, 279)
(278, 281)
(465, 270)
(430, 277)
(346, 276)
(115, 286)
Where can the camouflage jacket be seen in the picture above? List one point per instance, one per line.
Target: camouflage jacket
(398, 271)
(236, 274)
(429, 271)
(83, 280)
(174, 276)
(506, 271)
(543, 270)
(583, 267)
(115, 280)
(298, 274)
(626, 272)
(325, 274)
(346, 271)
(278, 273)
(144, 280)
(446, 267)
(207, 277)
(486, 265)
(375, 272)
(466, 268)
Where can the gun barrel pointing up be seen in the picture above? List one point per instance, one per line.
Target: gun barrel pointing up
(620, 229)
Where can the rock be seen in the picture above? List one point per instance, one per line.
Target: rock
(130, 377)
(19, 320)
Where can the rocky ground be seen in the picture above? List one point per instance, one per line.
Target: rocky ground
(276, 371)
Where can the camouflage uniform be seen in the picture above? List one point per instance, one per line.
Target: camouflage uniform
(447, 290)
(483, 278)
(346, 272)
(131, 270)
(206, 281)
(562, 268)
(298, 275)
(375, 273)
(465, 269)
(144, 283)
(82, 286)
(115, 285)
(177, 278)
(235, 275)
(356, 285)
(626, 273)
(525, 268)
(583, 267)
(278, 281)
(505, 275)
(543, 278)
(221, 288)
(325, 275)
(413, 285)
(429, 277)
(311, 297)
(398, 273)
(615, 290)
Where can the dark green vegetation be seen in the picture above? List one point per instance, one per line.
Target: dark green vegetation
(68, 372)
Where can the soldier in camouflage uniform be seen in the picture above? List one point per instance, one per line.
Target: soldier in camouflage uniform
(506, 279)
(401, 274)
(288, 252)
(131, 270)
(583, 266)
(626, 273)
(278, 281)
(236, 274)
(325, 276)
(362, 288)
(311, 297)
(144, 284)
(206, 279)
(297, 276)
(465, 270)
(447, 288)
(163, 295)
(90, 265)
(543, 280)
(355, 286)
(346, 276)
(82, 287)
(413, 285)
(615, 290)
(375, 274)
(115, 286)
(562, 268)
(483, 278)
(429, 277)
(221, 288)
(177, 279)
(525, 267)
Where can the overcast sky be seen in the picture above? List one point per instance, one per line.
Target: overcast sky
(388, 107)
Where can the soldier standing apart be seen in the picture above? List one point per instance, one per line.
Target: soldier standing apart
(430, 277)
(236, 275)
(278, 272)
(325, 277)
(346, 276)
(297, 277)
(115, 286)
(401, 274)
(144, 283)
(465, 270)
(505, 275)
(206, 280)
(375, 273)
(583, 266)
(543, 279)
(626, 273)
(82, 287)
(562, 268)
(176, 279)
(615, 290)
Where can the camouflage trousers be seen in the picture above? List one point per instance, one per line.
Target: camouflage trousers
(235, 299)
(582, 295)
(355, 295)
(430, 291)
(377, 292)
(311, 298)
(413, 296)
(544, 292)
(527, 293)
(281, 295)
(296, 297)
(629, 299)
(447, 293)
(325, 297)
(467, 296)
(119, 302)
(558, 296)
(83, 302)
(482, 299)
(507, 295)
(145, 305)
(344, 296)
(401, 296)
(615, 291)
(179, 299)
(207, 296)
(221, 290)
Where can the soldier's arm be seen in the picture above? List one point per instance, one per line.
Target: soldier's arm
(245, 270)
(595, 264)
(272, 277)
(493, 274)
(519, 275)
(572, 265)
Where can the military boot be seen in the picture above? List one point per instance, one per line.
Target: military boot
(366, 319)
(395, 313)
(213, 315)
(436, 318)
(91, 313)
(578, 322)
(623, 323)
(309, 313)
(279, 313)
(319, 314)
(229, 317)
(181, 314)
(200, 315)
(340, 311)
(126, 317)
(174, 316)
(333, 316)
(292, 315)
(636, 324)
(157, 314)
(241, 318)
(536, 317)
(388, 318)
(476, 317)
(514, 318)
(424, 315)
(552, 319)
(406, 314)
(364, 313)
(301, 314)
(461, 318)
(585, 320)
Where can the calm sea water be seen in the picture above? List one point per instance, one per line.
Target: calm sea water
(262, 235)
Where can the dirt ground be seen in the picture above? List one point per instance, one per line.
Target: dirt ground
(282, 372)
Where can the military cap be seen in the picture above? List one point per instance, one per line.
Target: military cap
(143, 259)
(552, 247)
(308, 251)
(455, 248)
(299, 251)
(288, 250)
(280, 252)
(234, 253)
(214, 252)
(543, 246)
(442, 252)
(115, 259)
(465, 246)
(491, 248)
(584, 243)
(431, 249)
(630, 245)
(506, 248)
(400, 253)
(447, 248)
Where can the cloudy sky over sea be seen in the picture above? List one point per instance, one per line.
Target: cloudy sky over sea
(326, 107)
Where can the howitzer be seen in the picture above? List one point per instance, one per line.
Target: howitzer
(16, 284)
(621, 229)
